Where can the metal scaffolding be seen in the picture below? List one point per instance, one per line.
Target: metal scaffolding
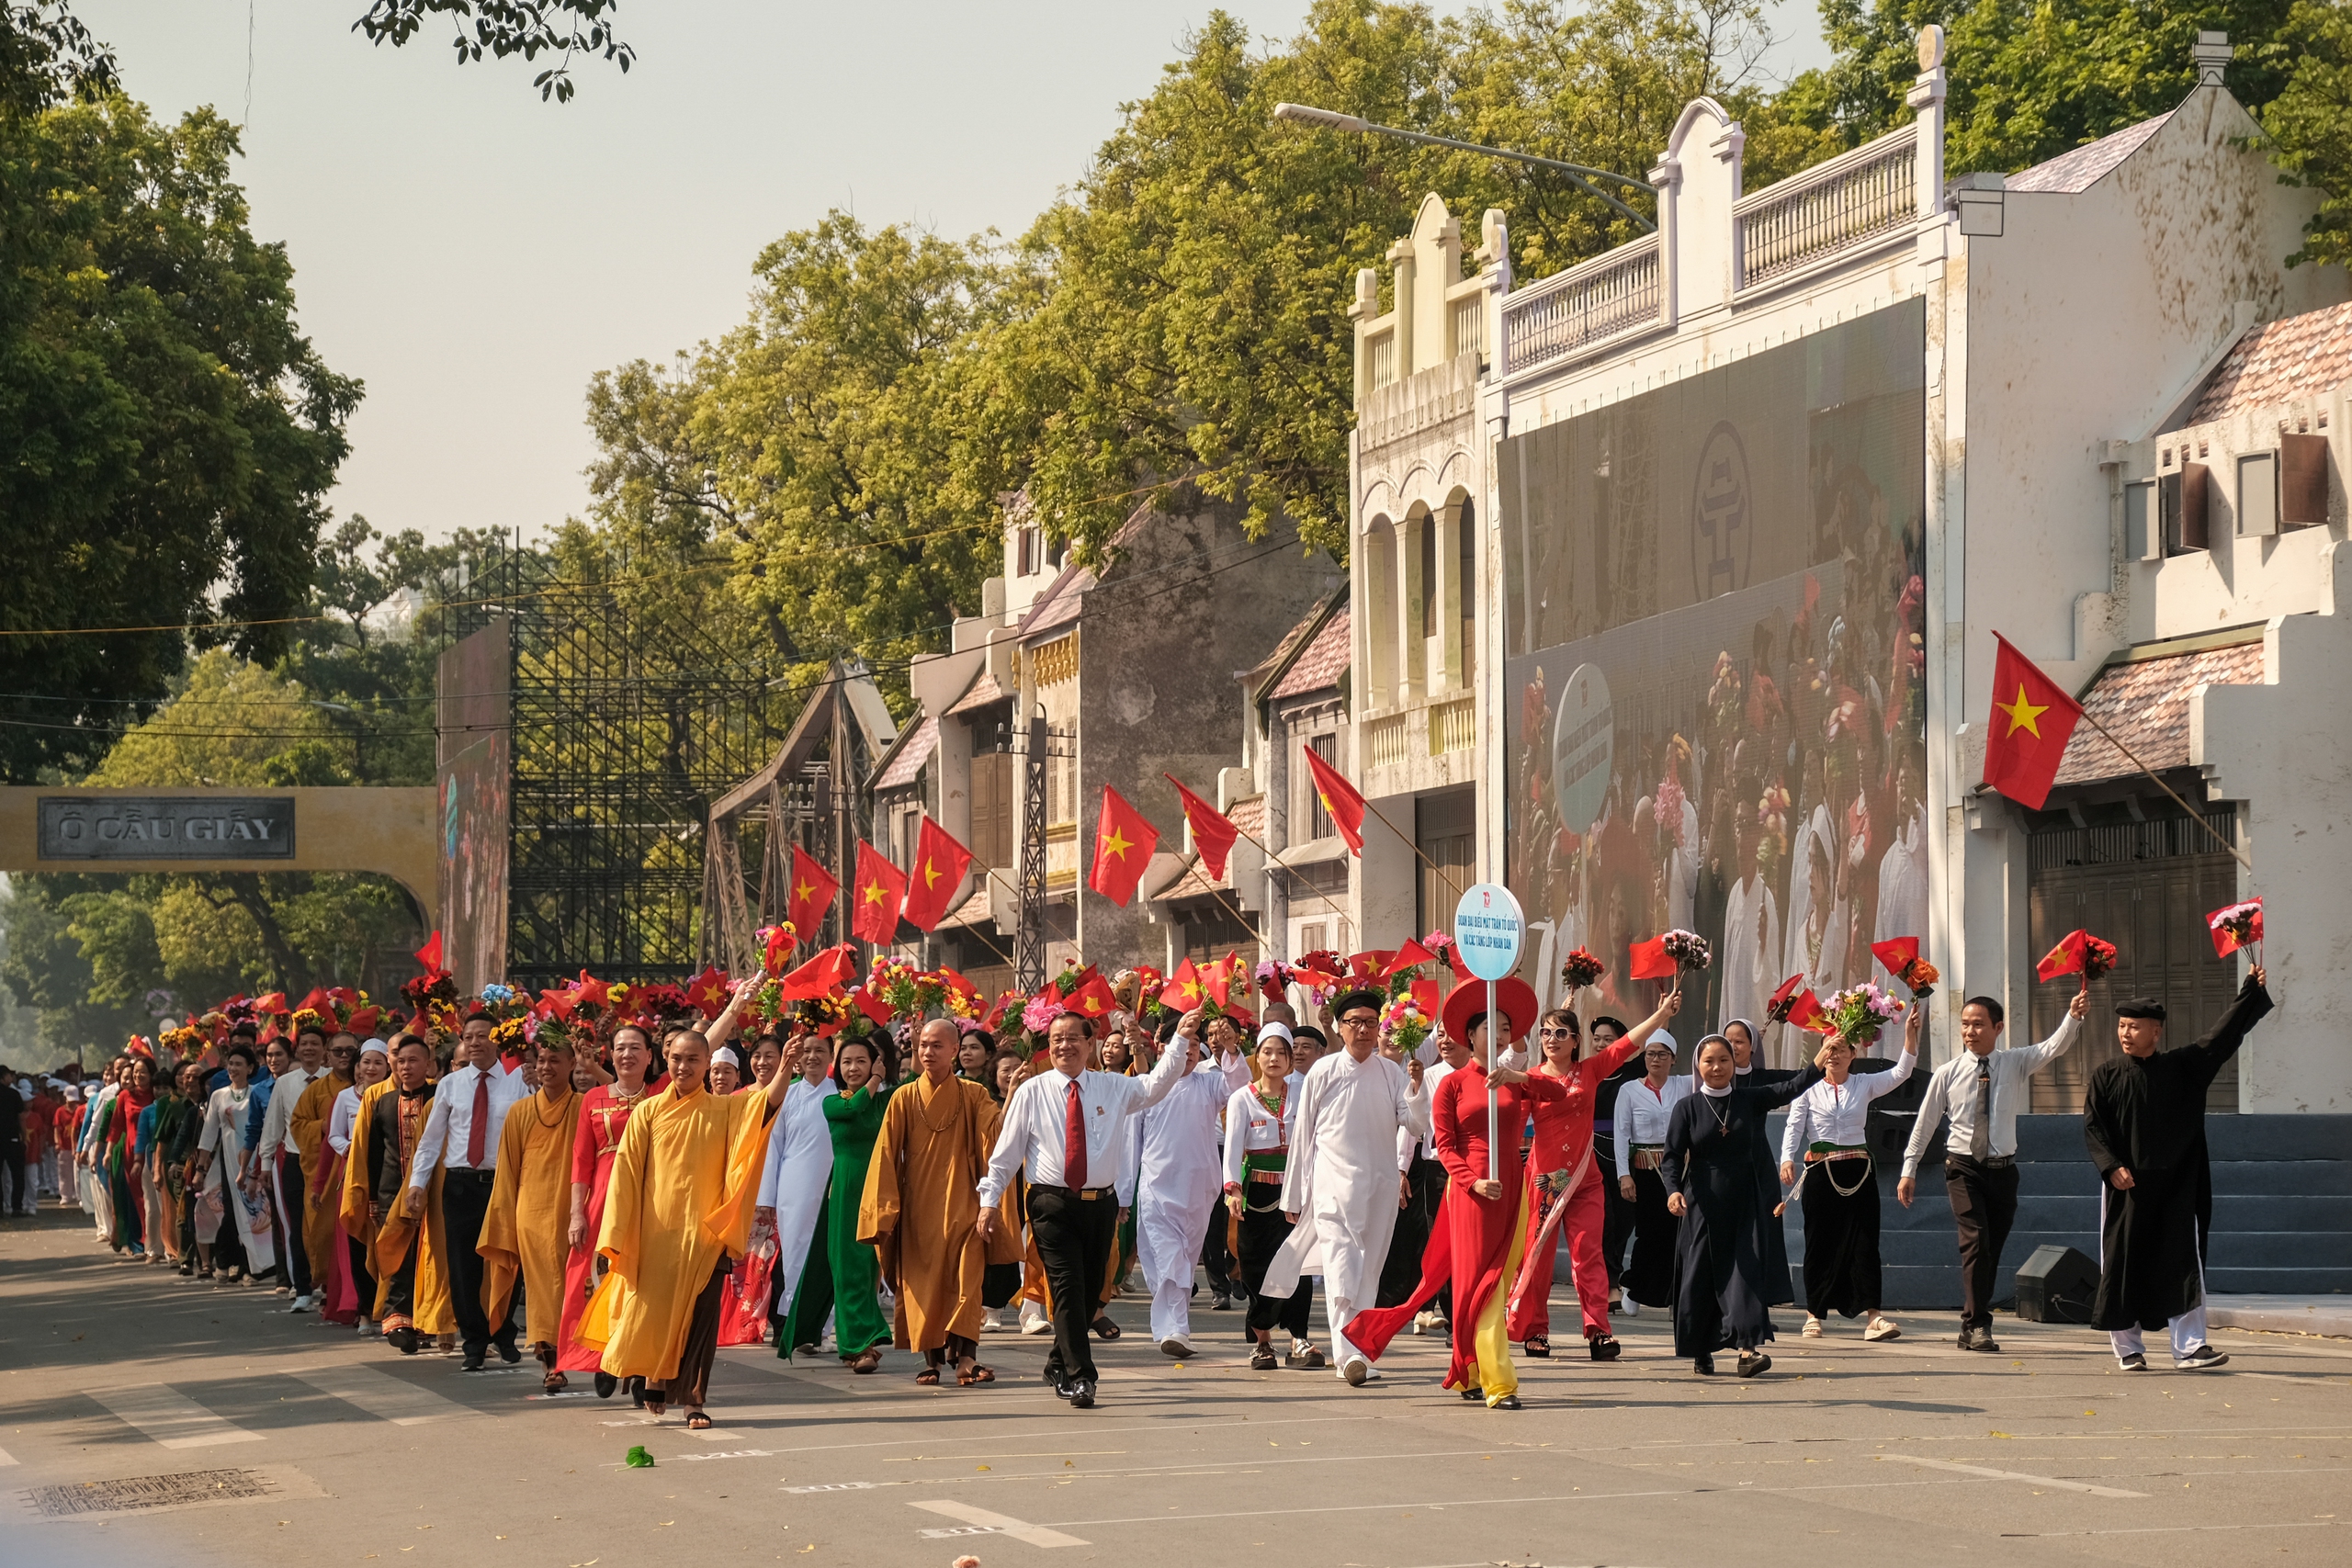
(626, 726)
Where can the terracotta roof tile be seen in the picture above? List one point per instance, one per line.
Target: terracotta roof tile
(984, 691)
(973, 908)
(2300, 357)
(2070, 174)
(906, 766)
(1326, 660)
(2145, 703)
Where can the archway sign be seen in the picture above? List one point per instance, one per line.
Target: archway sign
(1489, 929)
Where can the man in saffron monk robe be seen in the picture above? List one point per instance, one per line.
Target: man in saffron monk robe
(922, 1208)
(525, 1229)
(405, 1252)
(677, 1216)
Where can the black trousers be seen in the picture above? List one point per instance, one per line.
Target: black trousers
(1983, 1207)
(298, 1256)
(1649, 1279)
(1263, 1231)
(465, 1203)
(363, 1277)
(1074, 1238)
(1217, 1257)
(1400, 1273)
(11, 1164)
(1617, 1217)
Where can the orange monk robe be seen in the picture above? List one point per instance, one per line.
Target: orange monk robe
(922, 1209)
(529, 1226)
(306, 1128)
(680, 1199)
(387, 1245)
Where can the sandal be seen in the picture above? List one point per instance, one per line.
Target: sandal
(927, 1377)
(978, 1374)
(554, 1382)
(697, 1421)
(1103, 1327)
(1262, 1358)
(866, 1361)
(657, 1405)
(1539, 1345)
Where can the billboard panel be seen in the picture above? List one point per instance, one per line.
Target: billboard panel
(1713, 626)
(474, 773)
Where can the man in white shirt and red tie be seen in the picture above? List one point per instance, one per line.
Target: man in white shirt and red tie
(1067, 1125)
(1982, 1088)
(460, 1137)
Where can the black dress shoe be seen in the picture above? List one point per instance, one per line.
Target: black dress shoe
(1749, 1365)
(606, 1383)
(1062, 1387)
(507, 1352)
(1471, 1393)
(1081, 1394)
(403, 1340)
(1507, 1402)
(1704, 1365)
(472, 1363)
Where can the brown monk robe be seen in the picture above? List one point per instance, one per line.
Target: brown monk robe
(922, 1208)
(306, 1129)
(525, 1229)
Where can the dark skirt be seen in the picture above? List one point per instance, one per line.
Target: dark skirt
(1264, 1232)
(1720, 1288)
(1649, 1278)
(1842, 1267)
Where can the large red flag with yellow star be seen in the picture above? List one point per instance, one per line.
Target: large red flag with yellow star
(1342, 802)
(2025, 739)
(936, 876)
(1124, 844)
(875, 894)
(810, 896)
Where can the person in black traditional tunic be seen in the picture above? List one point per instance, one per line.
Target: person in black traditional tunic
(1722, 1295)
(2143, 1118)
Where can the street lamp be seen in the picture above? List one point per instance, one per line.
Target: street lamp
(1577, 174)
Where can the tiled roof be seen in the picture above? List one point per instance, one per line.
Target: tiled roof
(2070, 174)
(906, 766)
(975, 908)
(984, 691)
(2145, 703)
(1250, 816)
(1060, 602)
(2298, 358)
(1288, 648)
(1326, 660)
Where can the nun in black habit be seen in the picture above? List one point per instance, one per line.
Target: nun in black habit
(1722, 1292)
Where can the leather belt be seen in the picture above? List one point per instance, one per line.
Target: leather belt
(1990, 1162)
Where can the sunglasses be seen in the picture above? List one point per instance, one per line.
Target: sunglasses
(1551, 1032)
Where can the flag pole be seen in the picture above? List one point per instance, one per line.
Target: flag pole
(2195, 816)
(1444, 875)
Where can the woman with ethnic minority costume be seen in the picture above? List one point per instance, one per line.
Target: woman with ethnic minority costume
(1722, 1298)
(843, 1276)
(1826, 1156)
(1256, 1149)
(126, 1183)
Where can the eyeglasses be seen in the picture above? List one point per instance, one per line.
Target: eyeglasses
(1354, 1022)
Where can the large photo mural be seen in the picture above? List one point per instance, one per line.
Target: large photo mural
(1713, 618)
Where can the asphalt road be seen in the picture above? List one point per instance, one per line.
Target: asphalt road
(149, 1420)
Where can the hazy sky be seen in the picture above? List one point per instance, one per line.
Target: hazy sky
(475, 256)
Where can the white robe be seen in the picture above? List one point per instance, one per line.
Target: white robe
(1179, 1180)
(1752, 944)
(792, 1182)
(1902, 889)
(1341, 1182)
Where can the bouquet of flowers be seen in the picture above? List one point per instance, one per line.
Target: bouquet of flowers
(1901, 957)
(909, 992)
(1581, 969)
(304, 1018)
(2078, 953)
(1139, 991)
(1857, 1014)
(1404, 1025)
(2236, 925)
(1042, 1009)
(511, 1034)
(421, 993)
(962, 1002)
(1273, 978)
(1688, 949)
(1438, 947)
(185, 1039)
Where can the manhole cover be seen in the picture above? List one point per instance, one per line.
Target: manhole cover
(133, 1494)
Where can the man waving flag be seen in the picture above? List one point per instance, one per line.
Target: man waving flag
(1124, 844)
(2025, 738)
(936, 876)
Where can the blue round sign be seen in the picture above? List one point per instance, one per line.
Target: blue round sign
(1489, 929)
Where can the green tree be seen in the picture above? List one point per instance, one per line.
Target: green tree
(166, 431)
(2310, 123)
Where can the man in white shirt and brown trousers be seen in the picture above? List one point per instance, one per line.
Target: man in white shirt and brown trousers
(1067, 1125)
(460, 1138)
(1984, 1089)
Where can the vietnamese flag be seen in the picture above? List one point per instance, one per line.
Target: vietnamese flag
(707, 992)
(1212, 832)
(1124, 844)
(1650, 961)
(821, 975)
(810, 896)
(2071, 956)
(937, 875)
(429, 956)
(872, 1007)
(1341, 800)
(2026, 735)
(363, 1022)
(875, 894)
(1367, 964)
(1426, 997)
(1409, 956)
(1091, 995)
(1183, 989)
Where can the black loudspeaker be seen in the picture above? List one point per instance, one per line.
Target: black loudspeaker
(2056, 1285)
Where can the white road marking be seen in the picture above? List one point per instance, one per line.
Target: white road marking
(6, 1458)
(171, 1417)
(383, 1396)
(2009, 1475)
(1034, 1535)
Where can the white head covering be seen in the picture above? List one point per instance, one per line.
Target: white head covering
(1274, 1028)
(734, 1056)
(377, 1047)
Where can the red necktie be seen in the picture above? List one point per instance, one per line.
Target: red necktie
(478, 1134)
(1074, 1142)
